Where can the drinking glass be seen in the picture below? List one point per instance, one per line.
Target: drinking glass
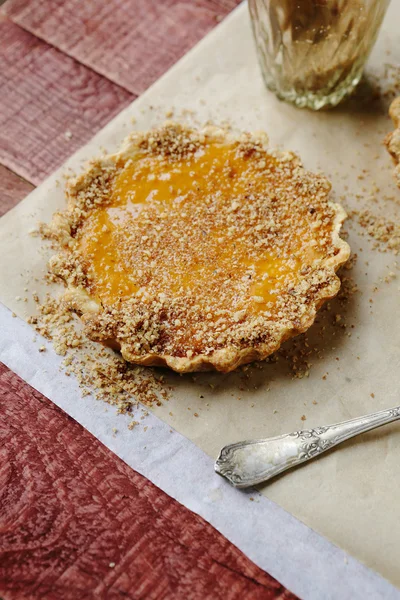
(312, 52)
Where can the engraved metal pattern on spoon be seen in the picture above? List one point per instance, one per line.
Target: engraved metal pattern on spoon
(249, 463)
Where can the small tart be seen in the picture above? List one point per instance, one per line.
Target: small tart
(392, 140)
(198, 250)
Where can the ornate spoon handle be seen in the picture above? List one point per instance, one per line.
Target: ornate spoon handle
(247, 463)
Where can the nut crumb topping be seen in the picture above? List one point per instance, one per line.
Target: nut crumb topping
(197, 250)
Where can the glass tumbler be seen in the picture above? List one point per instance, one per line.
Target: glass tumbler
(312, 52)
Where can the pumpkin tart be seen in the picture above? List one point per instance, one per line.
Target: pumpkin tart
(197, 249)
(392, 140)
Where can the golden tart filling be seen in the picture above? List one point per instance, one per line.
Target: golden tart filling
(197, 249)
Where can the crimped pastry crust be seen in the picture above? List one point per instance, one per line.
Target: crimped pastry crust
(392, 140)
(279, 211)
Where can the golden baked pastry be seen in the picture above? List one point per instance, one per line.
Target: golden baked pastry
(198, 250)
(392, 140)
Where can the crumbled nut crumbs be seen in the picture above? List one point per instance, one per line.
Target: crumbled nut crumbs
(99, 371)
(385, 232)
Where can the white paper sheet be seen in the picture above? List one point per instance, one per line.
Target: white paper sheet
(350, 496)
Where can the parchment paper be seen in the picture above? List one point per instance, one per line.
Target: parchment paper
(351, 495)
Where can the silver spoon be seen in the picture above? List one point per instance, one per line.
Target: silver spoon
(248, 463)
